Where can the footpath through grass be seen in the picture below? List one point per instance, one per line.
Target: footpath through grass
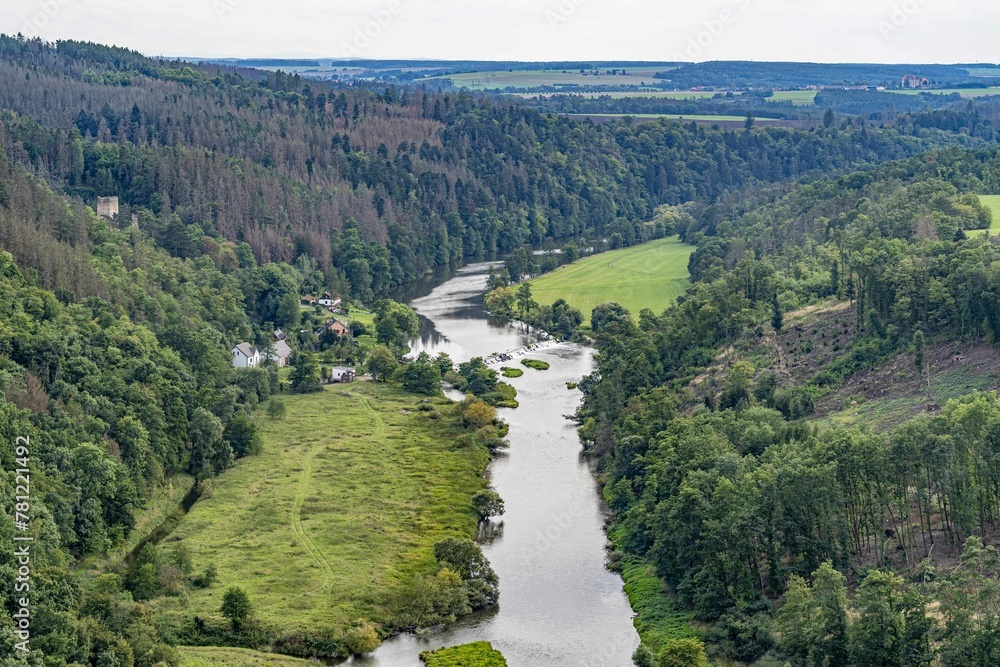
(343, 506)
(477, 654)
(650, 275)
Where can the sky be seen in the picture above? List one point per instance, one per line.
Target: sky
(885, 31)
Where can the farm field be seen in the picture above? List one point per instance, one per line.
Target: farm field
(964, 92)
(650, 276)
(639, 76)
(210, 656)
(653, 94)
(800, 98)
(344, 505)
(696, 117)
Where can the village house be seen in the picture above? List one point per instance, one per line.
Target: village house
(307, 300)
(343, 374)
(280, 335)
(329, 300)
(282, 354)
(337, 327)
(245, 355)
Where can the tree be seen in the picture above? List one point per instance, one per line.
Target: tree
(749, 121)
(287, 314)
(828, 118)
(382, 363)
(466, 558)
(237, 608)
(395, 324)
(422, 376)
(477, 415)
(208, 454)
(524, 300)
(777, 316)
(682, 653)
(500, 301)
(362, 639)
(877, 634)
(481, 378)
(487, 504)
(305, 376)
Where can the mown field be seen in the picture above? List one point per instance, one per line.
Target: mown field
(650, 276)
(477, 654)
(992, 202)
(540, 78)
(702, 118)
(352, 490)
(800, 98)
(210, 656)
(964, 92)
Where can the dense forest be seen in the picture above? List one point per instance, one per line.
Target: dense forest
(283, 164)
(719, 478)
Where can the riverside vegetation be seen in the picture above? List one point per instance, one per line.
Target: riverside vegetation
(253, 189)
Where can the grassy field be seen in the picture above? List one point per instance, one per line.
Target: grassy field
(638, 76)
(800, 98)
(640, 92)
(992, 202)
(703, 118)
(477, 654)
(651, 276)
(352, 490)
(964, 92)
(210, 656)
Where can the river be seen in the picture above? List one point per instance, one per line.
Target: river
(559, 605)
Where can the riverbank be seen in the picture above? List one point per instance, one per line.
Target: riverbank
(334, 520)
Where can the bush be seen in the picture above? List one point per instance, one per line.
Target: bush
(509, 372)
(362, 639)
(276, 409)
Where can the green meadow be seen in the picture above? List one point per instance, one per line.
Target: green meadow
(637, 76)
(702, 118)
(344, 505)
(650, 275)
(477, 654)
(800, 98)
(992, 202)
(210, 656)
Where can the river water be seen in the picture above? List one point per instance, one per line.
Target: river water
(559, 605)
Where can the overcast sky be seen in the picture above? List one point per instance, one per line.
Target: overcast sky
(946, 31)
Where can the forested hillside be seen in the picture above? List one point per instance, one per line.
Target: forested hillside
(283, 164)
(721, 480)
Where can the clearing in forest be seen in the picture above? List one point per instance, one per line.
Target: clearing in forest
(650, 275)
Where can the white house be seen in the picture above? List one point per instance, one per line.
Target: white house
(282, 354)
(329, 300)
(245, 355)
